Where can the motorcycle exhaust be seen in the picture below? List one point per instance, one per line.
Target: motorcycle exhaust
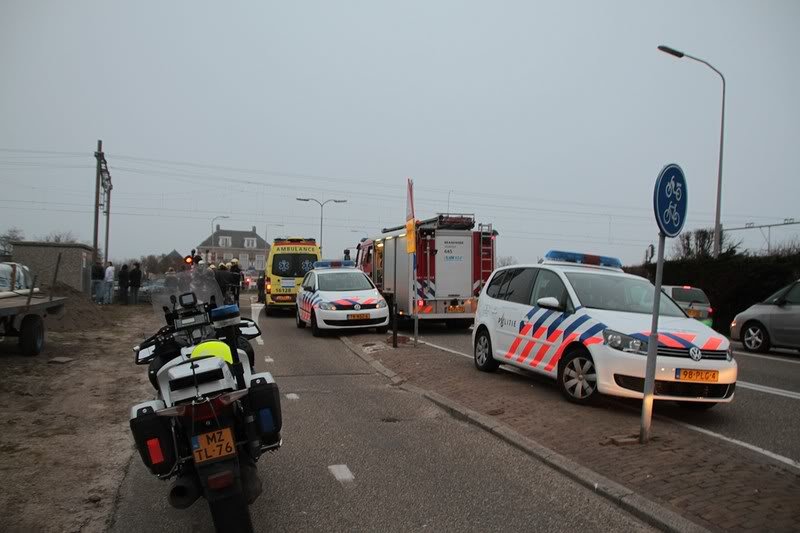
(184, 492)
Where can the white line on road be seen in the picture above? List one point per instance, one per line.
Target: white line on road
(269, 360)
(769, 390)
(770, 357)
(745, 385)
(292, 396)
(341, 473)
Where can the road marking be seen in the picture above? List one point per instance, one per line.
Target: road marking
(769, 390)
(745, 385)
(255, 311)
(446, 349)
(269, 360)
(341, 473)
(292, 396)
(751, 447)
(770, 357)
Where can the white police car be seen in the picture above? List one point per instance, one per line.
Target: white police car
(582, 320)
(336, 295)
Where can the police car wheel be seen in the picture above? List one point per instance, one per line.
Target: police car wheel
(297, 320)
(483, 353)
(314, 328)
(577, 377)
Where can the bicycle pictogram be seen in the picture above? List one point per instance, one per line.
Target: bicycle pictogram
(674, 189)
(671, 213)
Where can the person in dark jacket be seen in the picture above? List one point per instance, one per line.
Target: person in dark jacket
(236, 279)
(124, 283)
(136, 282)
(98, 273)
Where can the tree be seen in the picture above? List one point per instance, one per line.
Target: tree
(59, 237)
(11, 235)
(506, 260)
(698, 244)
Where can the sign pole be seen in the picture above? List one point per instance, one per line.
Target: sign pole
(416, 306)
(652, 349)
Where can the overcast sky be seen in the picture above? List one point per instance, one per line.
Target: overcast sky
(551, 120)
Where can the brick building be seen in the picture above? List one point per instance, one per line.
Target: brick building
(224, 244)
(41, 257)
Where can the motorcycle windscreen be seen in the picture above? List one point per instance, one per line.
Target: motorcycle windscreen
(179, 286)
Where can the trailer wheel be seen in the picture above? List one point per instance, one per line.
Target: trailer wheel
(31, 335)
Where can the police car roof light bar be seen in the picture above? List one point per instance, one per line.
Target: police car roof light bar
(334, 264)
(583, 259)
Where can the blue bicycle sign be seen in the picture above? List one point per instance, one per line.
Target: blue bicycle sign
(670, 200)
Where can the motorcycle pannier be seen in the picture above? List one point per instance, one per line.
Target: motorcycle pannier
(265, 401)
(153, 437)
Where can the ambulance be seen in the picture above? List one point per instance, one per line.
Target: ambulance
(288, 262)
(454, 259)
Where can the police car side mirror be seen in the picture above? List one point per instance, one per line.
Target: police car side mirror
(308, 289)
(549, 302)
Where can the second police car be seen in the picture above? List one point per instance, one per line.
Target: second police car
(336, 295)
(583, 321)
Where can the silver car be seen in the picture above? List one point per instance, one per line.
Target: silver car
(773, 323)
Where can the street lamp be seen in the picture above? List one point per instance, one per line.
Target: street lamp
(321, 209)
(717, 227)
(208, 259)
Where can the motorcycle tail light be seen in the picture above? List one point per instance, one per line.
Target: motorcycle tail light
(220, 480)
(230, 397)
(178, 410)
(154, 450)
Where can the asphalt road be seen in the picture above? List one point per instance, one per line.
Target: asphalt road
(413, 467)
(765, 418)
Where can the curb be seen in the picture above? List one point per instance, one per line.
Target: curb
(639, 506)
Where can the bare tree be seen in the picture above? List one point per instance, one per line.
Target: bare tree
(11, 235)
(506, 260)
(698, 244)
(59, 237)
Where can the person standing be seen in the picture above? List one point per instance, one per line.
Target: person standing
(124, 283)
(108, 284)
(136, 282)
(97, 282)
(236, 279)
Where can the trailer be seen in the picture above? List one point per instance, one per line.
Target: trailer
(453, 262)
(23, 317)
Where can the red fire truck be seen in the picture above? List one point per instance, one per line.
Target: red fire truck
(454, 260)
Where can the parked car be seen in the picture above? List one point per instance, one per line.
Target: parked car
(773, 323)
(692, 300)
(149, 288)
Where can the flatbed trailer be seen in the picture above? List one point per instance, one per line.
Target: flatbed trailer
(23, 317)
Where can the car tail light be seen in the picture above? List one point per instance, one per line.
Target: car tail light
(710, 310)
(687, 286)
(269, 288)
(220, 480)
(420, 303)
(154, 450)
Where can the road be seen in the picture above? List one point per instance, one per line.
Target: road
(763, 414)
(413, 466)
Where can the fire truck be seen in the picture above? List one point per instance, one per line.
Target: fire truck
(454, 260)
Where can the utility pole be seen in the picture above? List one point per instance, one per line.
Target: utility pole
(108, 215)
(98, 155)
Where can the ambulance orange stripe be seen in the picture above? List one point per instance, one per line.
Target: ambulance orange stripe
(557, 356)
(712, 343)
(543, 350)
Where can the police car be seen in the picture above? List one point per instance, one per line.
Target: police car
(580, 319)
(336, 295)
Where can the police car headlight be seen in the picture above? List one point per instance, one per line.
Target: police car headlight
(381, 304)
(327, 306)
(730, 353)
(624, 343)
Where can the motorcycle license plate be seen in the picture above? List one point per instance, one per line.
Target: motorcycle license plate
(358, 316)
(213, 445)
(697, 376)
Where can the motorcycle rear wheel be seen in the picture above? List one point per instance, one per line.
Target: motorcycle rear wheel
(231, 514)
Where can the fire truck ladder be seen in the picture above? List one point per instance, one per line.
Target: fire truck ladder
(487, 253)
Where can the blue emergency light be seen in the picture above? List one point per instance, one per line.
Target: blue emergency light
(583, 259)
(334, 264)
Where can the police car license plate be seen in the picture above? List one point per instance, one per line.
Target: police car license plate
(213, 445)
(693, 313)
(698, 376)
(358, 316)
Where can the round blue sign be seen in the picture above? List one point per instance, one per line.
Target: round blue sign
(670, 200)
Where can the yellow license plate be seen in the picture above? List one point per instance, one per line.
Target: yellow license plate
(693, 313)
(358, 316)
(699, 376)
(456, 309)
(213, 445)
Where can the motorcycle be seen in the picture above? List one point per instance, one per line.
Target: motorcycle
(213, 416)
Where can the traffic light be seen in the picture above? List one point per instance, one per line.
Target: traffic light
(189, 260)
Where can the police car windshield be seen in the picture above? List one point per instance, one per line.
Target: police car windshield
(619, 293)
(292, 265)
(343, 281)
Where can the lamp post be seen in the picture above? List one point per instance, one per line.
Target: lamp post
(717, 226)
(208, 259)
(321, 210)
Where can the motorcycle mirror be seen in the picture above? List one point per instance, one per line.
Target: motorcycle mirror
(144, 355)
(172, 299)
